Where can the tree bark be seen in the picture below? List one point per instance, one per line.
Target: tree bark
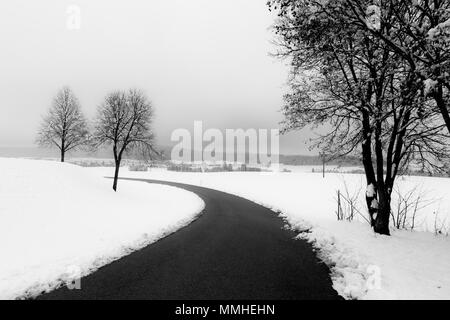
(438, 97)
(368, 168)
(116, 175)
(63, 149)
(384, 210)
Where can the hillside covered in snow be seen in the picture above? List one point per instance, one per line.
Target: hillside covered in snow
(59, 222)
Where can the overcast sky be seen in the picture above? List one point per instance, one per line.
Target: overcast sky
(196, 60)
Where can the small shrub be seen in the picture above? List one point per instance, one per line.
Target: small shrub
(406, 207)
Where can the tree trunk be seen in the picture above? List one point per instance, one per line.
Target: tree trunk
(383, 215)
(440, 102)
(116, 175)
(371, 194)
(372, 210)
(63, 149)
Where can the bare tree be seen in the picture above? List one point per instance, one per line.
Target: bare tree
(360, 90)
(419, 32)
(124, 121)
(65, 125)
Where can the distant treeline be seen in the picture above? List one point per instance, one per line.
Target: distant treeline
(302, 160)
(297, 160)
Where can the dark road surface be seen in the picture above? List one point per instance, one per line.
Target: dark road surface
(235, 250)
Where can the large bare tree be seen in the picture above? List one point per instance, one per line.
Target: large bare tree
(65, 125)
(124, 121)
(361, 91)
(419, 32)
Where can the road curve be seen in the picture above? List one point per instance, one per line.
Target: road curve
(235, 250)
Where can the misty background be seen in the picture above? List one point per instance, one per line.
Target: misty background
(196, 60)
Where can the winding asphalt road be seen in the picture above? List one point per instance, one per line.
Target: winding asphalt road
(235, 250)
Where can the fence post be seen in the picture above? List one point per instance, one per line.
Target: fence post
(339, 205)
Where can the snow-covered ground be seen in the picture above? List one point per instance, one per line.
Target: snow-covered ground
(60, 221)
(407, 265)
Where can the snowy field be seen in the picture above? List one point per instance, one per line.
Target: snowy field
(60, 221)
(407, 265)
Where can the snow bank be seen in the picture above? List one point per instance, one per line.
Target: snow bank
(407, 265)
(58, 221)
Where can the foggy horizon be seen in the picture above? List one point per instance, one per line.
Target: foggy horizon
(203, 60)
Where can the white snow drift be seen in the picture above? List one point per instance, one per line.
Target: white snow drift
(57, 220)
